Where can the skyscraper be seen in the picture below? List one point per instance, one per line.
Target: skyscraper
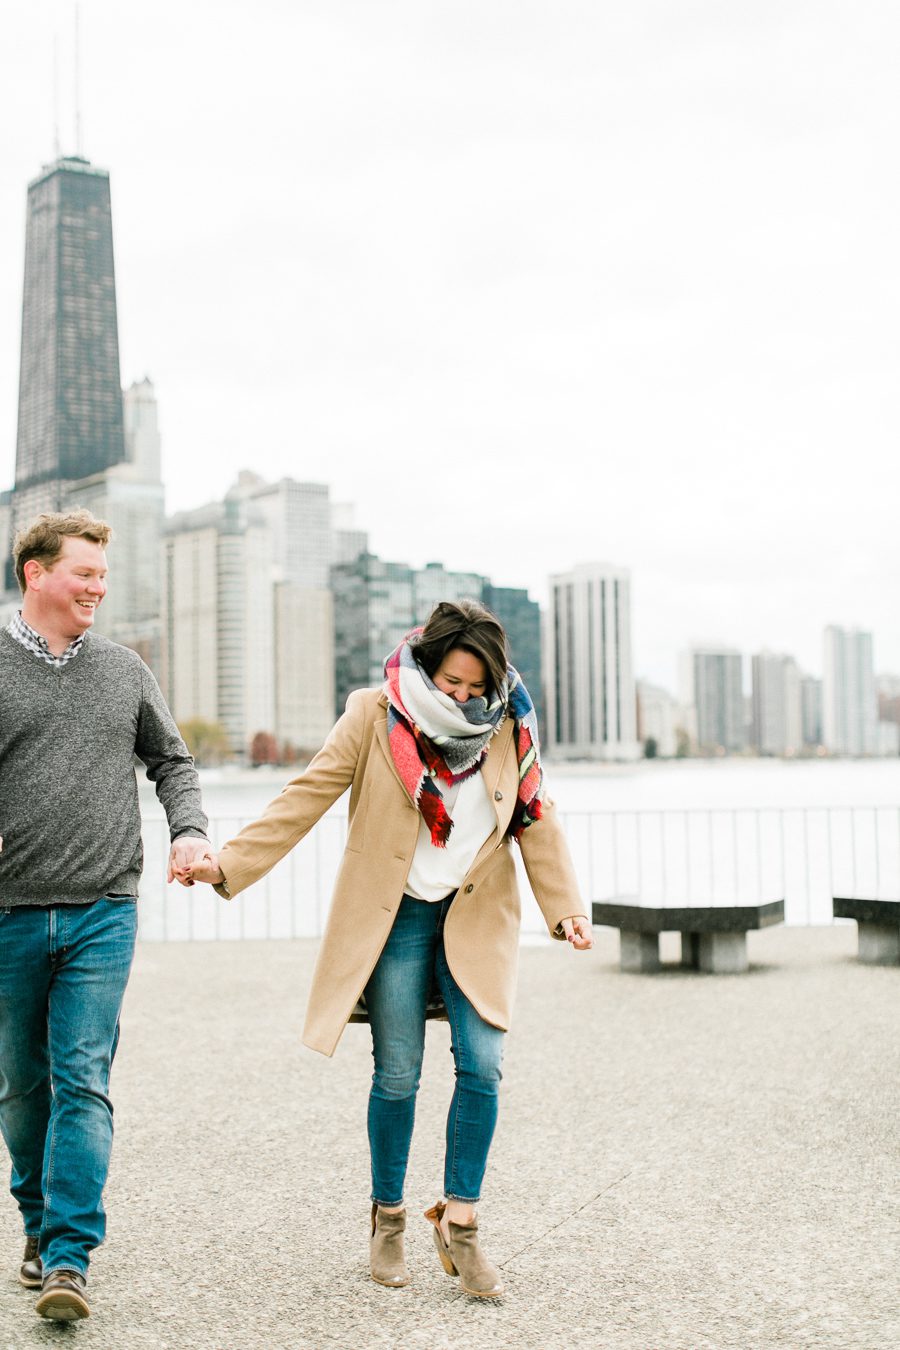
(377, 602)
(521, 617)
(717, 697)
(589, 684)
(299, 516)
(131, 497)
(248, 635)
(777, 706)
(849, 701)
(218, 647)
(70, 396)
(299, 519)
(811, 710)
(659, 719)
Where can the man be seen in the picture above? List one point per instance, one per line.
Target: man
(75, 709)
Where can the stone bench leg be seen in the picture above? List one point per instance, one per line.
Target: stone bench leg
(723, 953)
(879, 943)
(690, 951)
(639, 952)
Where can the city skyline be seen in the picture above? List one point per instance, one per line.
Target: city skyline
(686, 647)
(629, 279)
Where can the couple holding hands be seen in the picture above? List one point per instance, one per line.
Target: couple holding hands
(444, 772)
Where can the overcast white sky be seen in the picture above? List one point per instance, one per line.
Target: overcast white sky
(531, 283)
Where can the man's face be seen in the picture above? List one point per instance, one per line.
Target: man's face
(68, 592)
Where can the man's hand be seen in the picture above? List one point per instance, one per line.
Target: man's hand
(185, 852)
(206, 868)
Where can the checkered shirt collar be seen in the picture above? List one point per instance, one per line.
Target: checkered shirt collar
(24, 633)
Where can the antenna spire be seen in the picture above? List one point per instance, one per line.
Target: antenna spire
(78, 145)
(56, 149)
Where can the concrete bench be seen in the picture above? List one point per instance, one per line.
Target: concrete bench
(713, 938)
(878, 922)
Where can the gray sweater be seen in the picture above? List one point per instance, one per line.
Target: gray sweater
(69, 814)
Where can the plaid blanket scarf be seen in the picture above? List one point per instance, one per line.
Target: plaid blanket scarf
(432, 737)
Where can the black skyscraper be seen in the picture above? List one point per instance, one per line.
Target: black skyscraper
(70, 396)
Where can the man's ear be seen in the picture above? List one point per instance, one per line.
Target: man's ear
(33, 572)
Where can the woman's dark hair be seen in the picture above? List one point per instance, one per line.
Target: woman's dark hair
(463, 625)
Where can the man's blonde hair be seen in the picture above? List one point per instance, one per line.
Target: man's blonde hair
(43, 539)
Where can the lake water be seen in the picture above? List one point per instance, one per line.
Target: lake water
(649, 785)
(678, 832)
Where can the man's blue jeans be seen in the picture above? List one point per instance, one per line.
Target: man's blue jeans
(396, 998)
(63, 972)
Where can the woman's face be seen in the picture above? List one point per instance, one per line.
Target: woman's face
(461, 675)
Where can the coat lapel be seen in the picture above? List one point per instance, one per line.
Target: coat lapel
(492, 768)
(500, 751)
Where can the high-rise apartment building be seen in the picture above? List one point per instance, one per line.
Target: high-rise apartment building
(378, 602)
(218, 620)
(811, 711)
(70, 398)
(347, 541)
(434, 583)
(299, 517)
(887, 688)
(143, 447)
(358, 631)
(304, 665)
(248, 636)
(658, 719)
(521, 618)
(712, 689)
(777, 722)
(589, 675)
(131, 497)
(849, 701)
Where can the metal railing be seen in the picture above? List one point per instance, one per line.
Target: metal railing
(803, 855)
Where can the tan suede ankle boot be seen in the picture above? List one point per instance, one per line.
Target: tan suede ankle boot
(463, 1256)
(386, 1260)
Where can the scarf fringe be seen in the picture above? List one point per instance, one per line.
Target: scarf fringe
(435, 814)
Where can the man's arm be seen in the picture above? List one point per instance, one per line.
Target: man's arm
(171, 769)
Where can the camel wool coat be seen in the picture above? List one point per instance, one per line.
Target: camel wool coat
(481, 932)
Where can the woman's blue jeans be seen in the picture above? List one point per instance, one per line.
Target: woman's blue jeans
(63, 972)
(411, 963)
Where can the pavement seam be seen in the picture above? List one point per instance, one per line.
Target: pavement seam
(567, 1218)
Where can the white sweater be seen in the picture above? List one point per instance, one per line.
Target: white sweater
(435, 872)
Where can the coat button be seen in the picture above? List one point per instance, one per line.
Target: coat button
(498, 796)
(469, 889)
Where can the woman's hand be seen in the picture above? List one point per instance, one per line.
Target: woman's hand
(579, 932)
(206, 868)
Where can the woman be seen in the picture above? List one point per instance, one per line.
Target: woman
(444, 771)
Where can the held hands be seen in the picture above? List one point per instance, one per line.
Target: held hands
(193, 860)
(182, 854)
(579, 932)
(207, 868)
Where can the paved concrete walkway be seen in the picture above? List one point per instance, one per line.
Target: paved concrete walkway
(683, 1161)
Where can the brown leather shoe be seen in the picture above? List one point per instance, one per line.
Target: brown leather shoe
(463, 1256)
(62, 1297)
(31, 1273)
(386, 1259)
